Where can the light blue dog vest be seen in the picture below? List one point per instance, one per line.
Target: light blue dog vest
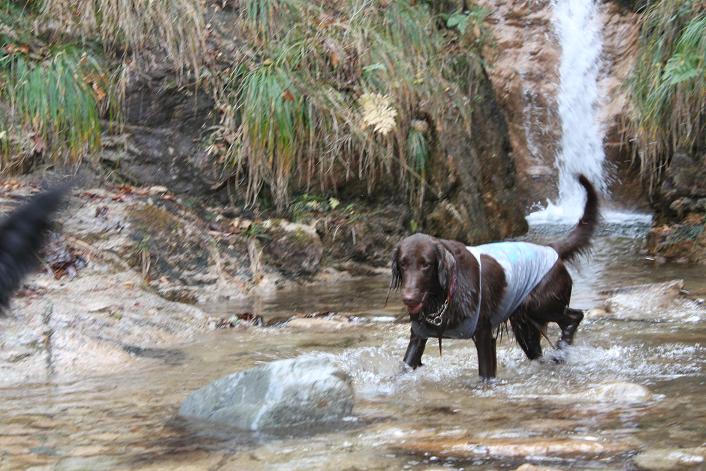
(524, 264)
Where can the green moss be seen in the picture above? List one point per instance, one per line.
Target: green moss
(301, 237)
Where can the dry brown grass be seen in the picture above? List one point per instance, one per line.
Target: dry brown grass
(329, 91)
(174, 28)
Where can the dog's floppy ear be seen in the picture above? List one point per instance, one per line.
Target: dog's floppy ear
(395, 266)
(446, 266)
(396, 275)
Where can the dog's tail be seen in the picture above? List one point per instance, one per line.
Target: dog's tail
(22, 234)
(579, 240)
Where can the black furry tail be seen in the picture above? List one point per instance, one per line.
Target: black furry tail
(579, 240)
(22, 234)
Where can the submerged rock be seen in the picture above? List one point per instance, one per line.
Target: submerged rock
(311, 324)
(280, 394)
(615, 393)
(596, 313)
(643, 301)
(514, 447)
(534, 467)
(671, 458)
(620, 392)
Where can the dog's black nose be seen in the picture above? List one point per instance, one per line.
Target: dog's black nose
(410, 298)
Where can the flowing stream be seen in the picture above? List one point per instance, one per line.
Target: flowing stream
(128, 420)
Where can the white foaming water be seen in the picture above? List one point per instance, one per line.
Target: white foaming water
(578, 28)
(379, 372)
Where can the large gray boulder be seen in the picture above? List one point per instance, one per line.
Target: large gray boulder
(280, 394)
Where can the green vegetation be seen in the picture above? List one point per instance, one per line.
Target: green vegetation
(419, 154)
(57, 98)
(668, 85)
(306, 203)
(317, 92)
(64, 63)
(256, 231)
(332, 88)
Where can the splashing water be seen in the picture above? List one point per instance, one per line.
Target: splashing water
(579, 31)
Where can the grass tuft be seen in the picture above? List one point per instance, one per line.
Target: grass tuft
(54, 104)
(668, 85)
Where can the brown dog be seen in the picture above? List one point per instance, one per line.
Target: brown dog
(454, 291)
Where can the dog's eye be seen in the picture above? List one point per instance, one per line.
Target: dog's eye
(425, 265)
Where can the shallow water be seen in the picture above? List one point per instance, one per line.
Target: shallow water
(128, 421)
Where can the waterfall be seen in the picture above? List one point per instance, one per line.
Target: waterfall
(578, 28)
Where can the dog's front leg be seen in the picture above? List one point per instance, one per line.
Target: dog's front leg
(485, 346)
(569, 323)
(415, 350)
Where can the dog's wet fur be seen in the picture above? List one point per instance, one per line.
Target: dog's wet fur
(423, 267)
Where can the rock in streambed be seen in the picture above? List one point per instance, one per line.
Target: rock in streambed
(281, 394)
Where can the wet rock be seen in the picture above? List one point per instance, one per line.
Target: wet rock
(620, 34)
(280, 394)
(88, 324)
(515, 448)
(294, 249)
(534, 467)
(684, 241)
(350, 240)
(166, 242)
(162, 140)
(663, 459)
(524, 72)
(643, 301)
(596, 313)
(679, 231)
(318, 325)
(685, 177)
(476, 177)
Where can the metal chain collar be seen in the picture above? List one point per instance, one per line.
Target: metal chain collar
(436, 318)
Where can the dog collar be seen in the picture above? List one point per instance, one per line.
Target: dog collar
(437, 318)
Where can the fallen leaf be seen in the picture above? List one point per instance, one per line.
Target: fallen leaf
(287, 95)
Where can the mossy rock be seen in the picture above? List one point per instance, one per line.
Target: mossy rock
(175, 251)
(293, 249)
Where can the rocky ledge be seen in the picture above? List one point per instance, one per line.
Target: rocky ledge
(128, 266)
